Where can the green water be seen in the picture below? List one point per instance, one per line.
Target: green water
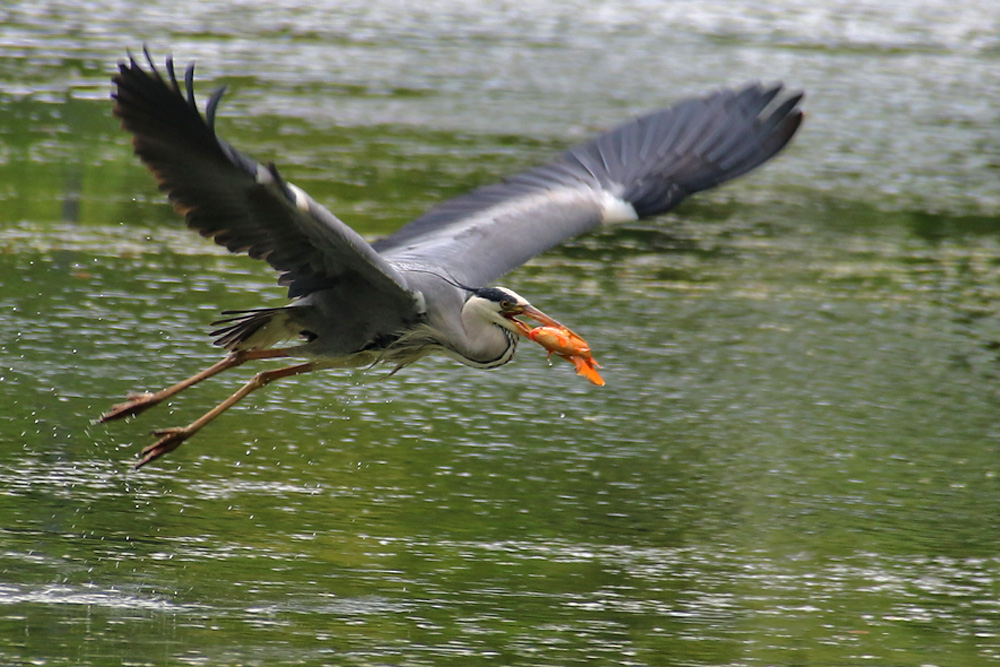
(794, 461)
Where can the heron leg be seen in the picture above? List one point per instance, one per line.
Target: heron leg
(138, 402)
(171, 438)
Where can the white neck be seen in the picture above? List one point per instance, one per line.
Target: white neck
(489, 340)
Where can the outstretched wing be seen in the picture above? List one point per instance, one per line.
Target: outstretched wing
(642, 168)
(229, 197)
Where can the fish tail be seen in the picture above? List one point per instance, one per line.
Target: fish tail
(585, 367)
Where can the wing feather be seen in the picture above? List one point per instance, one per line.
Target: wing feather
(639, 169)
(646, 166)
(225, 195)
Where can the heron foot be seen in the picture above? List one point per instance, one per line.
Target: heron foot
(135, 403)
(170, 439)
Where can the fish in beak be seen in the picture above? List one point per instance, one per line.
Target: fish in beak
(559, 340)
(535, 314)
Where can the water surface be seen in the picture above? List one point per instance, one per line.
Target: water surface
(795, 458)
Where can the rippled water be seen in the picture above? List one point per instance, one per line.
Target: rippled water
(794, 461)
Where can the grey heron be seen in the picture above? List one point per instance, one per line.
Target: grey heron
(427, 288)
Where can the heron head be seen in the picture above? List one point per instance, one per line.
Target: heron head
(499, 306)
(502, 306)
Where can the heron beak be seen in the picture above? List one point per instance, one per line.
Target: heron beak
(535, 314)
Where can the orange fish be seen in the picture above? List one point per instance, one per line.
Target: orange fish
(567, 345)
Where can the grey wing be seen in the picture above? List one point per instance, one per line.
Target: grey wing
(241, 204)
(642, 168)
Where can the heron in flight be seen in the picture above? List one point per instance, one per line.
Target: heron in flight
(427, 288)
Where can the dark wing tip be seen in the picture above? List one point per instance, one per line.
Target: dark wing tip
(703, 142)
(143, 92)
(212, 106)
(200, 172)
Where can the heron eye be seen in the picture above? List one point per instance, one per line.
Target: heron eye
(506, 305)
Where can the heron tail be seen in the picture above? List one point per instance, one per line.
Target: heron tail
(257, 329)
